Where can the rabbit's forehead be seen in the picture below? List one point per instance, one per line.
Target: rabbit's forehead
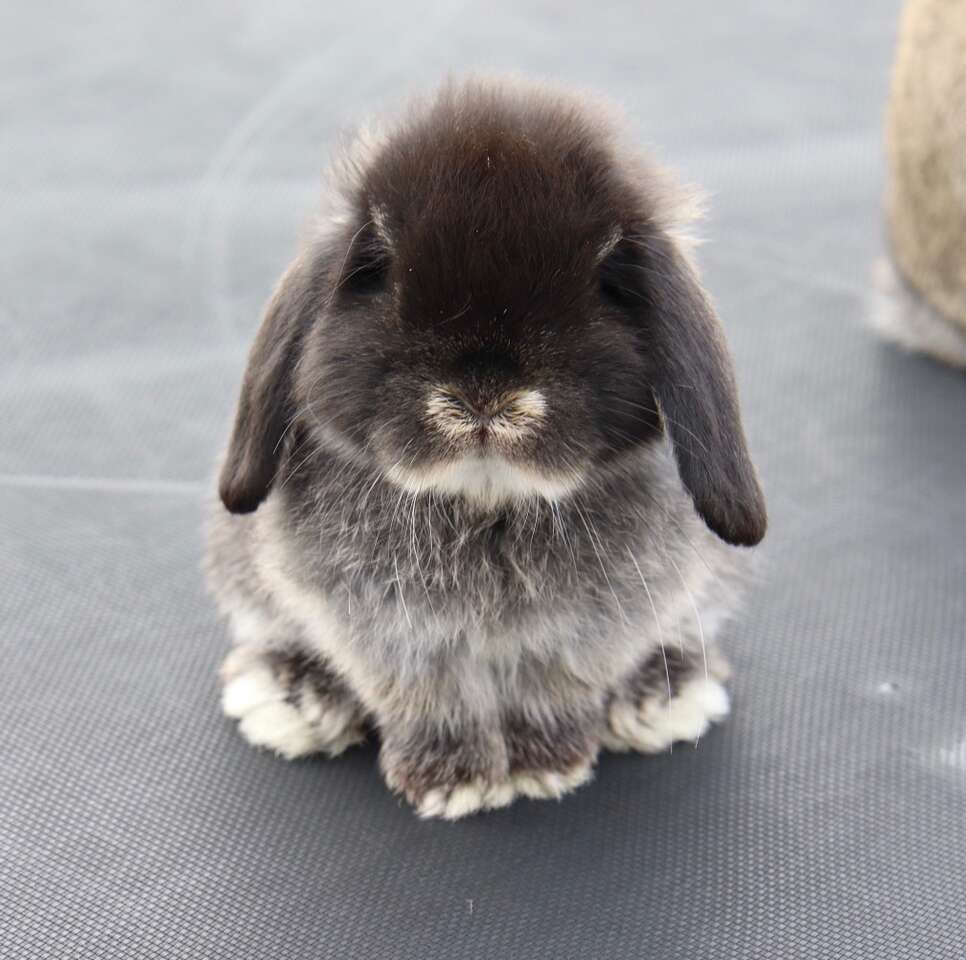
(504, 240)
(508, 209)
(513, 206)
(530, 184)
(461, 276)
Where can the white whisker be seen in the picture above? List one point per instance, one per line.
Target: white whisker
(697, 616)
(657, 623)
(600, 561)
(402, 598)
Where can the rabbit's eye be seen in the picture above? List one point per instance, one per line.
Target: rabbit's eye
(619, 276)
(367, 267)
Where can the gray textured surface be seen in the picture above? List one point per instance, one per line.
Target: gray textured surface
(154, 167)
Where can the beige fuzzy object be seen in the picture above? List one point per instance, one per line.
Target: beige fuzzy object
(923, 302)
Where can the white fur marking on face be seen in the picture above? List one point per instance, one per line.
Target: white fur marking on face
(529, 403)
(447, 415)
(487, 481)
(519, 414)
(512, 416)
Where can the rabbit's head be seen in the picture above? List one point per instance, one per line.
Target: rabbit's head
(500, 310)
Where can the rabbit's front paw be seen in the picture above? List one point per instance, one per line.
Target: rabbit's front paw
(654, 722)
(548, 761)
(289, 703)
(444, 775)
(450, 776)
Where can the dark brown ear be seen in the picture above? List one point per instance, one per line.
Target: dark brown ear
(265, 407)
(693, 381)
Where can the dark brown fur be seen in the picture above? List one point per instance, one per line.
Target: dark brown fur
(497, 241)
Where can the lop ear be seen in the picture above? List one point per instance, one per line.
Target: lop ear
(265, 407)
(693, 381)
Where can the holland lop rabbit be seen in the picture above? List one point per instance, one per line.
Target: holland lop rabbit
(487, 475)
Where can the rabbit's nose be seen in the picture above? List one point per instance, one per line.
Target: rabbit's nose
(461, 414)
(483, 409)
(511, 410)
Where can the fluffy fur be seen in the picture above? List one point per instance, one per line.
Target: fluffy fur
(487, 469)
(902, 314)
(920, 299)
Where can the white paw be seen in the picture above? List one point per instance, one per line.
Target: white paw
(453, 803)
(267, 717)
(551, 784)
(655, 724)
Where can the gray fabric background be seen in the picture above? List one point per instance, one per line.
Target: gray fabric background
(155, 163)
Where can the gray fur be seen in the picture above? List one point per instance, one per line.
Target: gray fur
(473, 651)
(484, 639)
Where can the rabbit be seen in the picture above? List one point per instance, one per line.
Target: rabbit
(487, 495)
(920, 290)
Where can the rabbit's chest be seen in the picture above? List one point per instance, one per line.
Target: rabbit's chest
(497, 580)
